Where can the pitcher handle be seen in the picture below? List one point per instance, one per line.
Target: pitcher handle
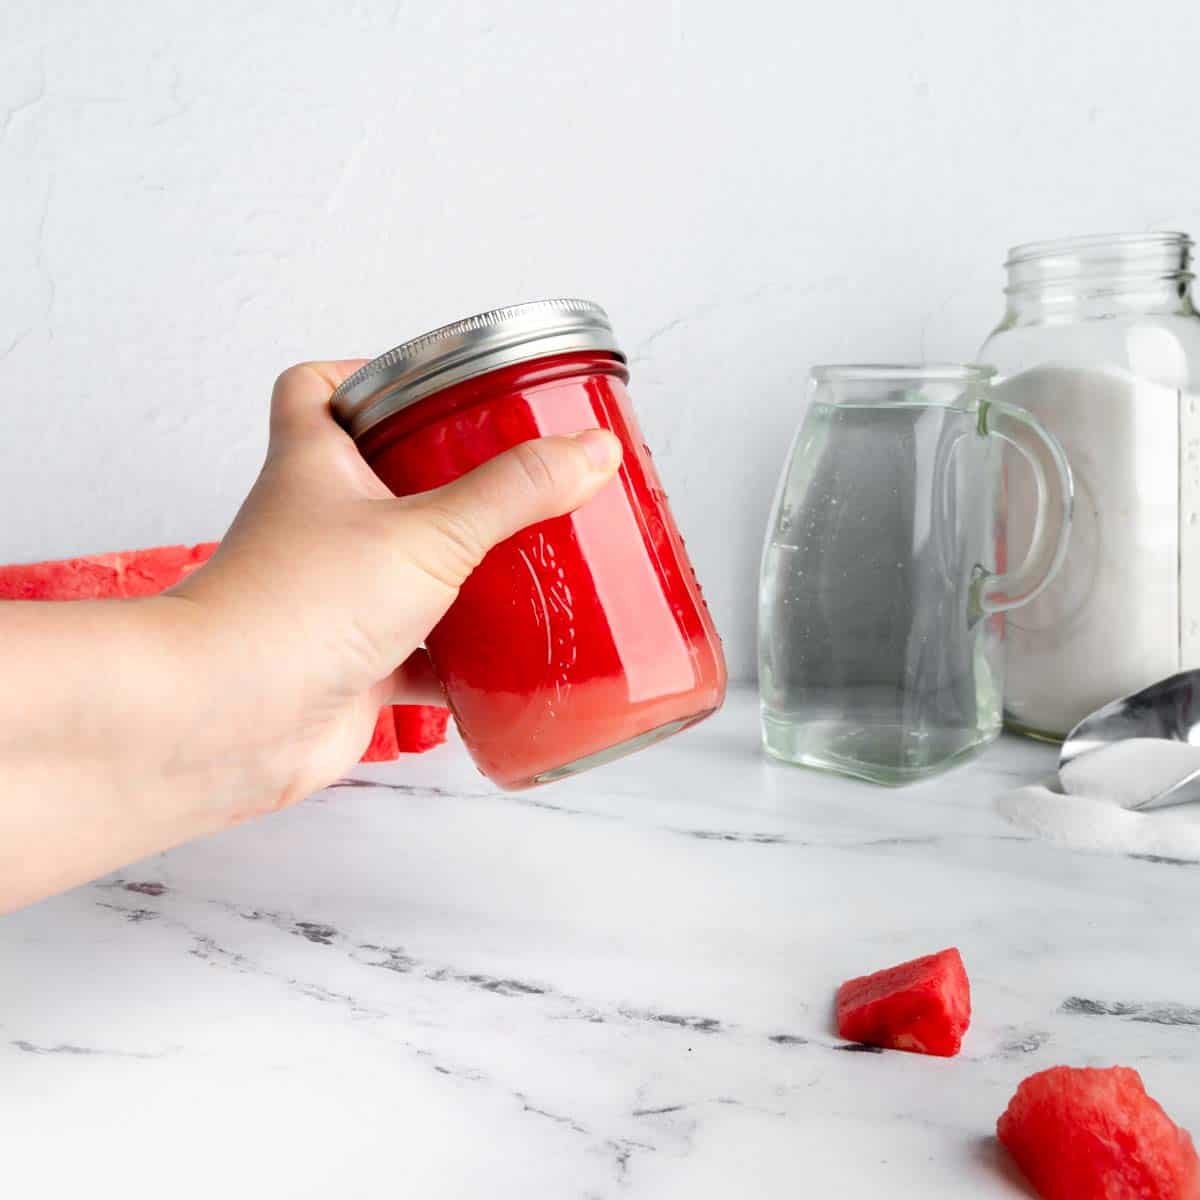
(1056, 499)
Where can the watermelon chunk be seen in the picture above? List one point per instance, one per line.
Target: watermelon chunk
(419, 726)
(923, 1006)
(1080, 1133)
(399, 729)
(406, 729)
(382, 746)
(123, 576)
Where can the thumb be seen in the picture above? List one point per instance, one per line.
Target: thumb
(532, 482)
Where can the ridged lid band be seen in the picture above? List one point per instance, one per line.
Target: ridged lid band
(466, 349)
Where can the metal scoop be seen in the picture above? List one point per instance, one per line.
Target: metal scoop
(1169, 710)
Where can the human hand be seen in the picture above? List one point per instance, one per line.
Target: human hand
(310, 616)
(129, 726)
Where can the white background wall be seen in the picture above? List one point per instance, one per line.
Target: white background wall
(194, 194)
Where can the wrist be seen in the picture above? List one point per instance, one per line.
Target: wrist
(197, 711)
(142, 724)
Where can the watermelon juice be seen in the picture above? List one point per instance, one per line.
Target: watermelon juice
(582, 638)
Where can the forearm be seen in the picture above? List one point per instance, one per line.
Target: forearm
(90, 742)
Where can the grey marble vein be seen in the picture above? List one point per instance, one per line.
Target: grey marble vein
(1150, 1014)
(85, 1051)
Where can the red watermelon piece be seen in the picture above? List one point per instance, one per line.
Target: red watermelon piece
(121, 576)
(404, 728)
(420, 726)
(148, 572)
(923, 1006)
(1080, 1133)
(383, 746)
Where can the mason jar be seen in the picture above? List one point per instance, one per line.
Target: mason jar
(581, 638)
(1101, 342)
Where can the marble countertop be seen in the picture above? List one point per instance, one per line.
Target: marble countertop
(617, 986)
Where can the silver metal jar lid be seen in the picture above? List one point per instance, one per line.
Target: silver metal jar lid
(465, 349)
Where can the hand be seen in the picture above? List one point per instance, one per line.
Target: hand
(129, 726)
(311, 614)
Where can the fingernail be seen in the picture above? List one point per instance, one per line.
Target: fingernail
(601, 447)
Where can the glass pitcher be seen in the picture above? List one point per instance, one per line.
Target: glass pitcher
(884, 575)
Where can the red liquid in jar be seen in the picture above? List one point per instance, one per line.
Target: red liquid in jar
(581, 638)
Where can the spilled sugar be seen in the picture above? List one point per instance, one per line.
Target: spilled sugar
(1092, 816)
(1096, 823)
(1131, 772)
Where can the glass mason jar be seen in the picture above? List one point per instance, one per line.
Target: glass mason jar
(582, 638)
(1101, 342)
(885, 570)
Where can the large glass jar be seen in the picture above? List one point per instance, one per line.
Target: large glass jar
(581, 638)
(1101, 342)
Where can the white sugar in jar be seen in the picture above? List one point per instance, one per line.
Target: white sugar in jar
(1101, 342)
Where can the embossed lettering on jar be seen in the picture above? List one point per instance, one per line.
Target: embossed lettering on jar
(582, 638)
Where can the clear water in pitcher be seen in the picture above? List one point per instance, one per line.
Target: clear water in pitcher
(874, 659)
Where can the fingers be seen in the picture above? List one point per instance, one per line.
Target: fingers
(531, 482)
(300, 399)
